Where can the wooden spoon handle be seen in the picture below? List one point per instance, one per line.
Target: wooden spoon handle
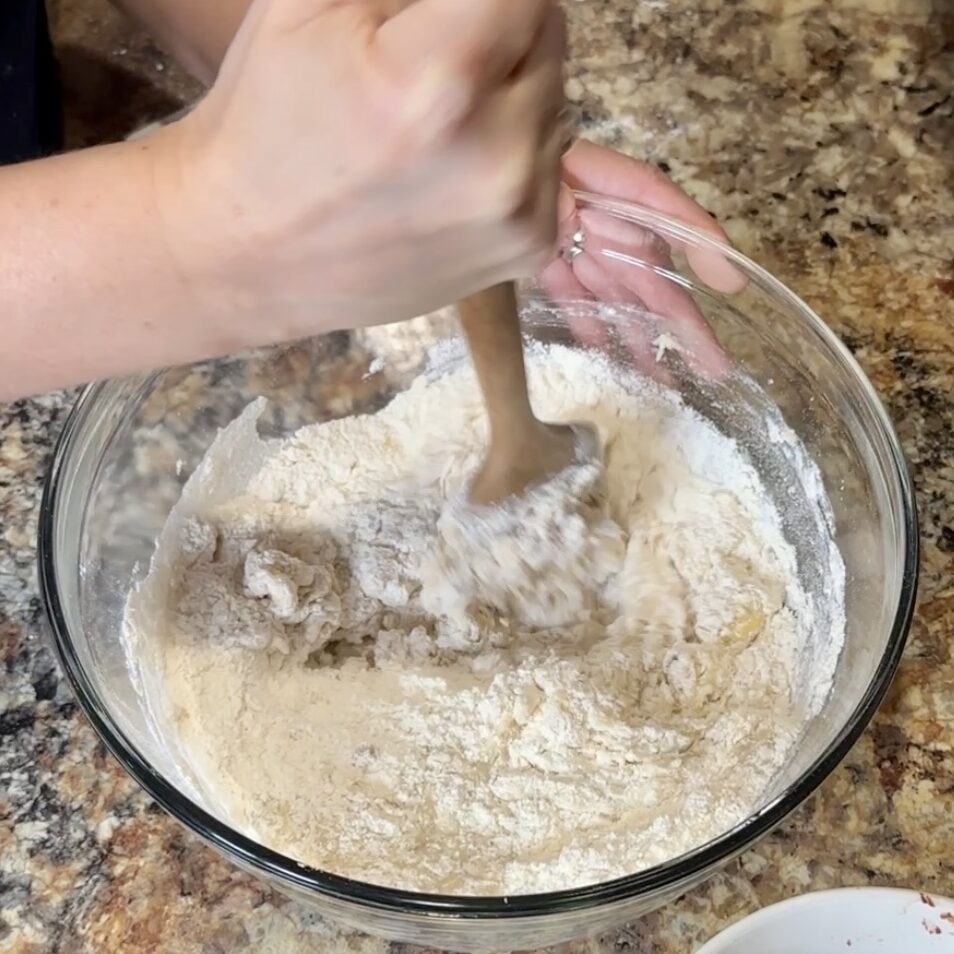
(492, 325)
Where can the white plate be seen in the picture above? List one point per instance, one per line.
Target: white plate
(844, 921)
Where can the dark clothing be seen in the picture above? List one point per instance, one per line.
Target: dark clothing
(30, 119)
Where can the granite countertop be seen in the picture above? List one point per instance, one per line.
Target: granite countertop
(820, 132)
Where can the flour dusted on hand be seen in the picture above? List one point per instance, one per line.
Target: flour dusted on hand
(344, 693)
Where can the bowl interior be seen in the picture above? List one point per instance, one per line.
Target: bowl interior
(131, 444)
(863, 920)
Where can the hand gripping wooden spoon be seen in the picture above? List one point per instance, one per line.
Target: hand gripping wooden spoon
(523, 451)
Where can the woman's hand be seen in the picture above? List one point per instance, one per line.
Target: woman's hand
(366, 162)
(594, 274)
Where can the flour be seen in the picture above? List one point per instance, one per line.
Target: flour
(543, 557)
(343, 693)
(402, 347)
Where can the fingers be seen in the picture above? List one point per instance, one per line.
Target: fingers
(584, 286)
(451, 51)
(565, 289)
(638, 260)
(640, 336)
(577, 299)
(538, 91)
(537, 87)
(591, 168)
(622, 258)
(485, 78)
(595, 324)
(548, 200)
(518, 142)
(624, 264)
(633, 323)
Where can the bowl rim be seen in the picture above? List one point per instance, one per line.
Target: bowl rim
(273, 865)
(800, 903)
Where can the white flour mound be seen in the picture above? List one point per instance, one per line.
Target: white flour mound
(334, 695)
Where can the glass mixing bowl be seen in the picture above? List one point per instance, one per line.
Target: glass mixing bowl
(640, 286)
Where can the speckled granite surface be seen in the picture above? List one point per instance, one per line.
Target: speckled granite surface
(821, 133)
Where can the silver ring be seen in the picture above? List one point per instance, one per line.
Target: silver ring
(576, 246)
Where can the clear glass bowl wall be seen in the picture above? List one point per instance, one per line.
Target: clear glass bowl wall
(129, 445)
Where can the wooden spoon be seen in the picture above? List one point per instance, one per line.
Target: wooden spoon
(523, 450)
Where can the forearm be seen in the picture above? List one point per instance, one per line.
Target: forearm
(196, 32)
(301, 194)
(90, 283)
